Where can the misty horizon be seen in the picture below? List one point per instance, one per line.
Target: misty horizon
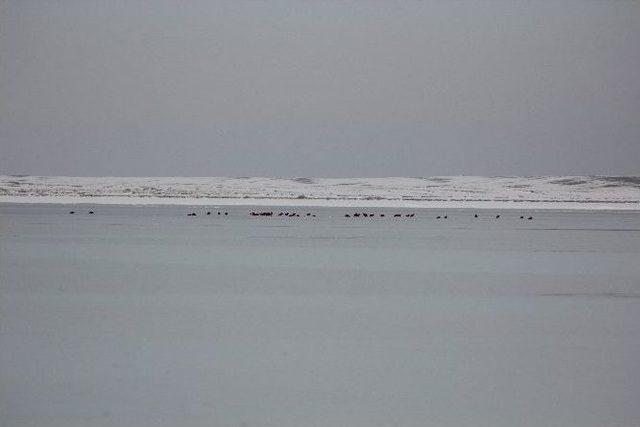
(320, 89)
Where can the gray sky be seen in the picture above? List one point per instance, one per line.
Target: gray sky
(305, 88)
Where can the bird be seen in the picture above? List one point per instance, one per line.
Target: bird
(438, 217)
(445, 217)
(382, 215)
(497, 216)
(398, 216)
(347, 216)
(71, 212)
(90, 212)
(475, 216)
(226, 213)
(521, 217)
(208, 213)
(530, 218)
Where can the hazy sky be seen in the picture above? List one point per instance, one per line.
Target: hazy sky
(307, 88)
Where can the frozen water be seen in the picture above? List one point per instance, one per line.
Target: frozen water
(140, 315)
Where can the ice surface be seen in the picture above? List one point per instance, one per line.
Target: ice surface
(142, 316)
(451, 192)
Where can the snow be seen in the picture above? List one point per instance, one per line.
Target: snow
(447, 192)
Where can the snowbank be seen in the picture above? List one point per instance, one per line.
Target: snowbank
(452, 192)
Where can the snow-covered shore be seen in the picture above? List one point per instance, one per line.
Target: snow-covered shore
(449, 192)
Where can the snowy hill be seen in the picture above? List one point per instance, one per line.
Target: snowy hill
(454, 191)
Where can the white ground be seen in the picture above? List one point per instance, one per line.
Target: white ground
(440, 192)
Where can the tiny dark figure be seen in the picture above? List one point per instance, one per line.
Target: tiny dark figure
(308, 214)
(90, 212)
(313, 216)
(530, 218)
(398, 216)
(356, 215)
(497, 216)
(347, 216)
(408, 215)
(445, 217)
(208, 213)
(412, 215)
(365, 215)
(475, 216)
(521, 217)
(381, 215)
(218, 213)
(280, 214)
(71, 212)
(438, 217)
(226, 213)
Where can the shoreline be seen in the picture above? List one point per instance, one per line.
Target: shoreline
(338, 203)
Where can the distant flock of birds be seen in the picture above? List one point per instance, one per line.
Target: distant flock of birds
(372, 215)
(312, 215)
(289, 214)
(208, 213)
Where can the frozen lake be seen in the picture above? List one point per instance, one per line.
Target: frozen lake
(141, 316)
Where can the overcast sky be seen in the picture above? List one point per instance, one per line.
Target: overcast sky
(306, 88)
